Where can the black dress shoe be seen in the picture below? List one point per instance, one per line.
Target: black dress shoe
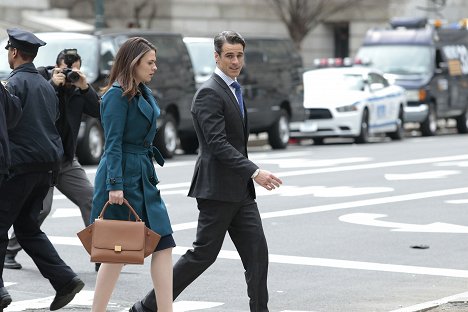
(139, 307)
(10, 262)
(65, 295)
(5, 298)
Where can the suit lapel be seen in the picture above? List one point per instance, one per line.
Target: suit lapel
(231, 96)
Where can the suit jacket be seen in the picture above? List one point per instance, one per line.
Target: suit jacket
(222, 171)
(127, 162)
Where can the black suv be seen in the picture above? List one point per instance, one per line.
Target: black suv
(173, 86)
(271, 80)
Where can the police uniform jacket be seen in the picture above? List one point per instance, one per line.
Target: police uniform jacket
(10, 112)
(127, 163)
(34, 142)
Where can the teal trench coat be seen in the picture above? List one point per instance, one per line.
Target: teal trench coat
(127, 162)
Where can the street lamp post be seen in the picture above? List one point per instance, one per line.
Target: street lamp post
(99, 15)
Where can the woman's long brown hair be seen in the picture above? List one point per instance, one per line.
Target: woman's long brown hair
(123, 68)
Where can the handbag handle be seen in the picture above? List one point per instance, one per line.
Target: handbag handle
(126, 203)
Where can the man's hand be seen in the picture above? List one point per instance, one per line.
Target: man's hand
(81, 83)
(268, 180)
(58, 78)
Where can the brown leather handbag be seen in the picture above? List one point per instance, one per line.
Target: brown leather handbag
(118, 241)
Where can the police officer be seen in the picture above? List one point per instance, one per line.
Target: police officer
(36, 151)
(76, 97)
(10, 112)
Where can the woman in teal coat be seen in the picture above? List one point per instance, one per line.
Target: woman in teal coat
(128, 113)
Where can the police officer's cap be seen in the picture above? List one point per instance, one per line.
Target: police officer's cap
(23, 40)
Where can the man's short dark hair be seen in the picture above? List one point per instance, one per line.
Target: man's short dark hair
(61, 57)
(228, 36)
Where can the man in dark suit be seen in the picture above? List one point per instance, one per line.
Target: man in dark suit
(223, 181)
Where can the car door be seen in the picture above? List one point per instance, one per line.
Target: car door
(382, 111)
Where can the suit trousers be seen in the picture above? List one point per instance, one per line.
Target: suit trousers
(72, 182)
(21, 200)
(243, 223)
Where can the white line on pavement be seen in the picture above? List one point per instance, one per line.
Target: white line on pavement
(427, 305)
(310, 261)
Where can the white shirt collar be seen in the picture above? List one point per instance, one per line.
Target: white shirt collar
(228, 80)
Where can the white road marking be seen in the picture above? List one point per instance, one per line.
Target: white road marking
(370, 220)
(66, 213)
(457, 201)
(453, 164)
(307, 162)
(386, 164)
(85, 298)
(309, 261)
(322, 191)
(439, 174)
(364, 203)
(430, 304)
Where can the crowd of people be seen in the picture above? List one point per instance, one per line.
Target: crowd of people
(40, 115)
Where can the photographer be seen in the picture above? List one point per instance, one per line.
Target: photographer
(76, 97)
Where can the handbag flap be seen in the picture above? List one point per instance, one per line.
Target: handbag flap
(111, 234)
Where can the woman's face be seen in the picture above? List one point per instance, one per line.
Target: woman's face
(146, 68)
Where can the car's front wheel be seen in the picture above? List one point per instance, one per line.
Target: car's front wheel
(429, 126)
(400, 130)
(91, 147)
(278, 135)
(167, 137)
(363, 136)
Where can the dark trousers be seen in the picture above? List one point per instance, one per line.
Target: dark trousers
(243, 223)
(21, 200)
(74, 184)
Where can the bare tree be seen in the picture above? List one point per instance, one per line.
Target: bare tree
(142, 6)
(302, 16)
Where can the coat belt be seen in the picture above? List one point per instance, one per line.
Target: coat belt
(151, 151)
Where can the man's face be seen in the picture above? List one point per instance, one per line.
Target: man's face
(231, 59)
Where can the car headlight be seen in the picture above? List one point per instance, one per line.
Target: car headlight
(415, 95)
(347, 108)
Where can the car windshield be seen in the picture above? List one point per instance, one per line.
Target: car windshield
(398, 59)
(202, 56)
(333, 82)
(87, 48)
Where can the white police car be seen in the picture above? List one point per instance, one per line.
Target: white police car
(351, 102)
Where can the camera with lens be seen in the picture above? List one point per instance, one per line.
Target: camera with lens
(70, 57)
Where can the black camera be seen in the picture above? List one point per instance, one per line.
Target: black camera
(70, 57)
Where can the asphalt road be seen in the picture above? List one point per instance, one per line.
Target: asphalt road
(356, 228)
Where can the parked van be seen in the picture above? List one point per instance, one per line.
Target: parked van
(271, 80)
(430, 62)
(173, 86)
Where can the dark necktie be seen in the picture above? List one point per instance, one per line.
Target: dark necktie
(238, 91)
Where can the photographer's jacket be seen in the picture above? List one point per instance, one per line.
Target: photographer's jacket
(35, 144)
(73, 103)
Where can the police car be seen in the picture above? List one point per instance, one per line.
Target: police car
(351, 102)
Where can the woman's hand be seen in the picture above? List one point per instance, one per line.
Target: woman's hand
(116, 197)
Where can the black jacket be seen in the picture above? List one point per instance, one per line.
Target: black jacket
(222, 171)
(10, 113)
(73, 103)
(35, 143)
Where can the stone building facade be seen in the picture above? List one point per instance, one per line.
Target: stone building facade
(340, 35)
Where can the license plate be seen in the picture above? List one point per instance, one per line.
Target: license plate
(308, 126)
